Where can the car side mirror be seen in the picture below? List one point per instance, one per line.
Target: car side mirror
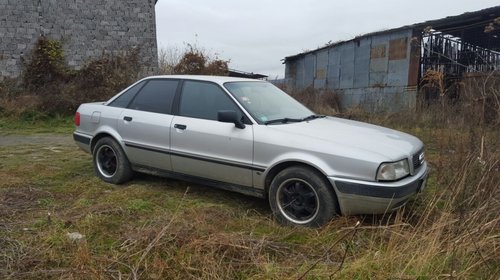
(229, 116)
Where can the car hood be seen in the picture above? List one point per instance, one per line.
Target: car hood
(388, 143)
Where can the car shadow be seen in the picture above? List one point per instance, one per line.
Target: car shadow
(208, 193)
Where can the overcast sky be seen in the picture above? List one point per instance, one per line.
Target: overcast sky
(255, 35)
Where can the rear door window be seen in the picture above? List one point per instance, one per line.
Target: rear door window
(156, 96)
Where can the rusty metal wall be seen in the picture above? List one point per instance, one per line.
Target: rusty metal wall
(371, 72)
(321, 69)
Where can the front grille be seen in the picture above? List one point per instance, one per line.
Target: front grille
(417, 160)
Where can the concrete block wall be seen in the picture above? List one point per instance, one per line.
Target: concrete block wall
(87, 28)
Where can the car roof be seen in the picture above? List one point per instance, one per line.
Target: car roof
(215, 79)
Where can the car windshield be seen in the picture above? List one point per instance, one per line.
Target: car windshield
(268, 104)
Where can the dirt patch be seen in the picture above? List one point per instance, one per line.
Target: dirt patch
(13, 200)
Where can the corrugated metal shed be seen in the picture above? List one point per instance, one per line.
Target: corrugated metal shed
(379, 71)
(364, 71)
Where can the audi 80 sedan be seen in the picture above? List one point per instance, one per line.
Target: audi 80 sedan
(249, 136)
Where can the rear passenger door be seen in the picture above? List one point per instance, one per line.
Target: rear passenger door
(204, 147)
(145, 124)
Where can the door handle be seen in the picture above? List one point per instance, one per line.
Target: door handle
(180, 126)
(128, 119)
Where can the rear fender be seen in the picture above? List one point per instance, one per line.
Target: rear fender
(106, 131)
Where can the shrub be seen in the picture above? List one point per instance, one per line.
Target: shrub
(46, 64)
(48, 85)
(193, 61)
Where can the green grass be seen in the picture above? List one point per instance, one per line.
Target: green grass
(27, 125)
(166, 229)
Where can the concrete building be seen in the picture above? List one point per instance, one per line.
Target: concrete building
(87, 29)
(381, 71)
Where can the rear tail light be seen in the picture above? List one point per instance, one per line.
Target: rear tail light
(77, 119)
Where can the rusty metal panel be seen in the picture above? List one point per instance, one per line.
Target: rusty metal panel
(333, 76)
(414, 66)
(379, 60)
(378, 51)
(398, 68)
(398, 48)
(347, 65)
(321, 69)
(361, 72)
(362, 63)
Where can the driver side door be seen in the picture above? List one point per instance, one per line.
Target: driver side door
(203, 147)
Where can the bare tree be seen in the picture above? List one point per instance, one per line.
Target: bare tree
(168, 57)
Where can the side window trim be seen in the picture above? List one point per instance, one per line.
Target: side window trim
(177, 98)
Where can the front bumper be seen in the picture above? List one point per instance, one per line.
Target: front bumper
(362, 197)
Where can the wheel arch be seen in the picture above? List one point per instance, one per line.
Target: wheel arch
(287, 164)
(101, 135)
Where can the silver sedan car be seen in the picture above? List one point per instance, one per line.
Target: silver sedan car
(249, 136)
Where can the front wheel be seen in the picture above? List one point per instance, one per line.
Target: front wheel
(110, 162)
(302, 196)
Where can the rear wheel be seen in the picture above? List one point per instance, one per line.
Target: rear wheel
(110, 162)
(302, 196)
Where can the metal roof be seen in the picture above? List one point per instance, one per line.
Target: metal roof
(242, 74)
(469, 26)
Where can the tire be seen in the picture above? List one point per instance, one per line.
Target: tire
(302, 196)
(110, 162)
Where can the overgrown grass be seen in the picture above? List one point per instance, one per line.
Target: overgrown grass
(154, 228)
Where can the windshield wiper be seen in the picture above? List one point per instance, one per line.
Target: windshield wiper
(312, 117)
(283, 120)
(287, 120)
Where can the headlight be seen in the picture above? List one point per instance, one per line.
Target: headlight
(392, 171)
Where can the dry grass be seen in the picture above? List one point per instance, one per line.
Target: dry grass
(321, 101)
(153, 228)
